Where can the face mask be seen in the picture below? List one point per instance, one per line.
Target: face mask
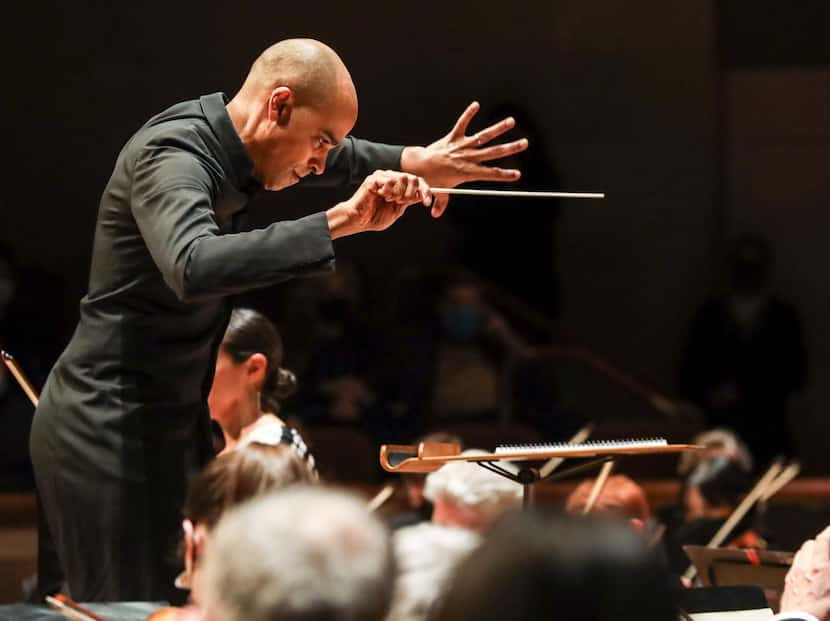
(462, 322)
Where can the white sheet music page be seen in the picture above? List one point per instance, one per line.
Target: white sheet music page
(761, 614)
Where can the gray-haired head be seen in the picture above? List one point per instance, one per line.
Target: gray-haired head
(300, 555)
(426, 556)
(467, 495)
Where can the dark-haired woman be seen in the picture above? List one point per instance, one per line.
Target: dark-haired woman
(249, 384)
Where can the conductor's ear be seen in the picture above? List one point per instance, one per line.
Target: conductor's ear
(280, 105)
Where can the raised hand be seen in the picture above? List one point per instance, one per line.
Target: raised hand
(458, 158)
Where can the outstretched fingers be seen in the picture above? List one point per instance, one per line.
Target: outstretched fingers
(460, 127)
(499, 151)
(489, 133)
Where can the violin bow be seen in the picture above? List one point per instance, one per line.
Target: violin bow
(755, 494)
(20, 376)
(71, 609)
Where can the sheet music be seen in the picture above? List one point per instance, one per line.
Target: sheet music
(762, 614)
(595, 444)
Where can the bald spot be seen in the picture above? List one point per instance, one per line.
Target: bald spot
(311, 69)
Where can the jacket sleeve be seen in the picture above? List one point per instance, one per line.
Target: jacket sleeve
(350, 162)
(172, 204)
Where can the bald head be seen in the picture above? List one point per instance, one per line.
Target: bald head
(311, 69)
(297, 103)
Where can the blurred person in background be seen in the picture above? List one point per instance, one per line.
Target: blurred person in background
(465, 495)
(230, 480)
(619, 497)
(426, 556)
(418, 507)
(338, 384)
(299, 555)
(533, 567)
(745, 355)
(453, 363)
(712, 491)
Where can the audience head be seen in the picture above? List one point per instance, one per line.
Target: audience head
(303, 554)
(535, 567)
(426, 555)
(248, 378)
(468, 496)
(750, 265)
(619, 497)
(229, 480)
(463, 310)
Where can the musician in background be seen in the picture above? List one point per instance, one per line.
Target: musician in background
(230, 480)
(338, 385)
(465, 495)
(620, 497)
(453, 363)
(533, 566)
(305, 554)
(249, 384)
(123, 416)
(745, 355)
(418, 507)
(712, 492)
(426, 555)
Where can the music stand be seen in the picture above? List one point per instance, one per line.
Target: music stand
(430, 456)
(733, 567)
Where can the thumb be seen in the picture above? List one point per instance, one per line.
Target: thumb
(439, 204)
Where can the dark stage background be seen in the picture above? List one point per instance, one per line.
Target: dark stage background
(700, 120)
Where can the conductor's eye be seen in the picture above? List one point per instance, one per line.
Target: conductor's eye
(319, 143)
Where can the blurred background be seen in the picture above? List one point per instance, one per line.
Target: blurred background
(691, 297)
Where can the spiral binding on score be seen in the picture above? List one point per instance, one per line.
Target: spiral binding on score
(546, 447)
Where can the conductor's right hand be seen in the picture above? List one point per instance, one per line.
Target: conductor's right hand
(381, 199)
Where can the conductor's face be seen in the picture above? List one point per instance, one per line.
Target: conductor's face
(301, 136)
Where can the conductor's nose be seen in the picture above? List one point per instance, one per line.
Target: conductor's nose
(317, 166)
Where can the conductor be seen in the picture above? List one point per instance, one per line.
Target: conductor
(123, 417)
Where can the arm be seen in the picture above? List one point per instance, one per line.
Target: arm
(172, 203)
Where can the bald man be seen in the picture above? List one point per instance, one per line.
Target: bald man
(123, 417)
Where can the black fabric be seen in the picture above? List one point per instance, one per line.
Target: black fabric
(123, 416)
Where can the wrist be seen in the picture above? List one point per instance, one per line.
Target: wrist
(339, 220)
(412, 160)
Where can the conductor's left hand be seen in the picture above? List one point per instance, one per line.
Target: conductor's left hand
(457, 158)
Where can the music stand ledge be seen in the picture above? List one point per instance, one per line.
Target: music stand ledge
(428, 457)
